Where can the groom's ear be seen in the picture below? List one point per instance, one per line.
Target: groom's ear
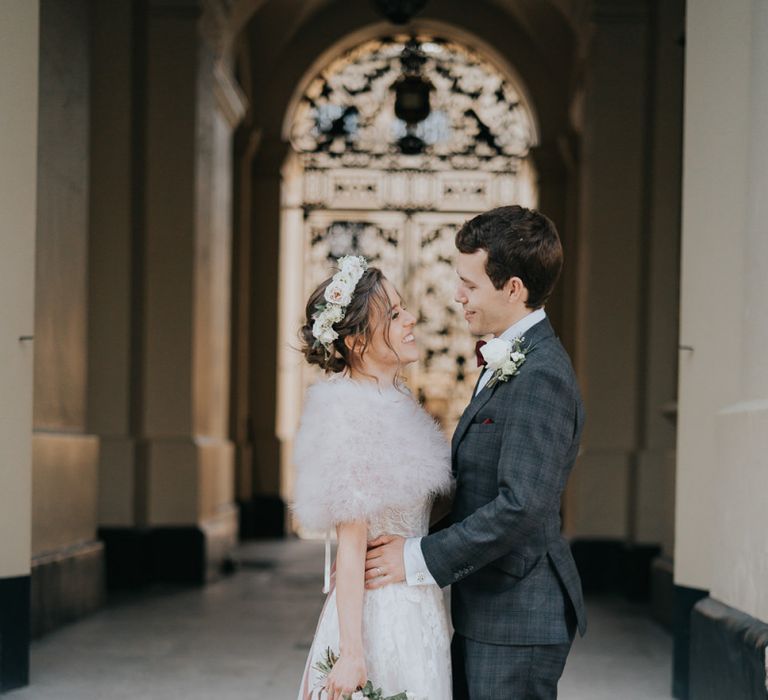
(515, 289)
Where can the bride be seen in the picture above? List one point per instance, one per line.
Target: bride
(369, 460)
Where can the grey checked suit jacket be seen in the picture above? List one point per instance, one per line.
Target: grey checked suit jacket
(514, 578)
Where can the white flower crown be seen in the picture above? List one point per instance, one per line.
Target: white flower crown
(338, 295)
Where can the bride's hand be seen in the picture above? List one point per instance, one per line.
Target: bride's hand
(347, 675)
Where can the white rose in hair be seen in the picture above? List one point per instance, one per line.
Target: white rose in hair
(333, 313)
(323, 332)
(353, 265)
(338, 292)
(496, 352)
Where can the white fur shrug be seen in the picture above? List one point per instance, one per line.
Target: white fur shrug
(361, 449)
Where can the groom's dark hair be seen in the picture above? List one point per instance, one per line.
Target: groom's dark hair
(520, 243)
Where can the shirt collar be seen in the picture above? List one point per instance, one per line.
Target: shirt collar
(516, 330)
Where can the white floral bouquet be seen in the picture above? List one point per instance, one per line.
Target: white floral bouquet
(367, 692)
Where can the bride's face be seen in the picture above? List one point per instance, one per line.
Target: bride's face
(402, 346)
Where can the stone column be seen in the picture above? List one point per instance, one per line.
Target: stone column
(67, 557)
(655, 497)
(556, 177)
(722, 475)
(739, 559)
(115, 258)
(291, 302)
(246, 142)
(610, 342)
(265, 514)
(19, 31)
(740, 570)
(179, 521)
(714, 220)
(185, 383)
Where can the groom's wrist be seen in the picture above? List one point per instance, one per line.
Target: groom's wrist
(437, 558)
(416, 571)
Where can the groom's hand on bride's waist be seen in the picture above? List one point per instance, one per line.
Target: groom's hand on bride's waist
(384, 561)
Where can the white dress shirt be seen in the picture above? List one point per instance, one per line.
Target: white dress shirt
(416, 571)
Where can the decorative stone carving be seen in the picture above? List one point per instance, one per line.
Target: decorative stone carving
(478, 120)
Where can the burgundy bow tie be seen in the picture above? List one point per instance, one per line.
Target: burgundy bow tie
(480, 359)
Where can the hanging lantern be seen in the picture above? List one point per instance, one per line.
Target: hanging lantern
(412, 98)
(412, 91)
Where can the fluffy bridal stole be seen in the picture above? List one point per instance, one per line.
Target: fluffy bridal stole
(360, 450)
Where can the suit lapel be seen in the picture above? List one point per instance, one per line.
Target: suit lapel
(470, 412)
(534, 335)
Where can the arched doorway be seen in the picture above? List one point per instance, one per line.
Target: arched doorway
(277, 57)
(352, 185)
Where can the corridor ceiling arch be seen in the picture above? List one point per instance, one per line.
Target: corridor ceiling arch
(285, 42)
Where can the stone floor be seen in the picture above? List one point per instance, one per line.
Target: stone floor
(247, 636)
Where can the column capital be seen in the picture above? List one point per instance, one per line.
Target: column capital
(230, 99)
(216, 25)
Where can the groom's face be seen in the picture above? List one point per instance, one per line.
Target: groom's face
(486, 309)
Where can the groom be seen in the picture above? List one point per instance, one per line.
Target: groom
(516, 593)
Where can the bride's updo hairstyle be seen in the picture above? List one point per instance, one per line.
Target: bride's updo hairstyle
(368, 308)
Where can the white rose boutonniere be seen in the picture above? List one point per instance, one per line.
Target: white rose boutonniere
(496, 352)
(503, 358)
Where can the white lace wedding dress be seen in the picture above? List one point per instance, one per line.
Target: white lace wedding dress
(367, 454)
(406, 634)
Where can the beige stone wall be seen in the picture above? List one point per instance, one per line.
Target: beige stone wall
(626, 284)
(112, 252)
(714, 214)
(186, 283)
(654, 504)
(723, 467)
(134, 255)
(19, 28)
(65, 455)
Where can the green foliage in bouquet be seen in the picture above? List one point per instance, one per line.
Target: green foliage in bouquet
(367, 691)
(327, 662)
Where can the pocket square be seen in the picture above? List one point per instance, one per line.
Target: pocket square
(488, 421)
